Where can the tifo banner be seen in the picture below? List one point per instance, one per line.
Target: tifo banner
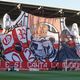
(31, 38)
(35, 42)
(40, 66)
(37, 66)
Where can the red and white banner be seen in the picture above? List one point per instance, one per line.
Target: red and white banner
(31, 39)
(38, 65)
(28, 66)
(7, 40)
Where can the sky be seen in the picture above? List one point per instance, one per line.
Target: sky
(65, 4)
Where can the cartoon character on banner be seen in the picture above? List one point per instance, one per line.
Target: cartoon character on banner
(41, 46)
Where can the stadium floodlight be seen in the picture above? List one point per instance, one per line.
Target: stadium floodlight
(19, 6)
(78, 13)
(39, 8)
(61, 11)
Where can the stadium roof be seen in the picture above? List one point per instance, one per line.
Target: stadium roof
(46, 8)
(65, 4)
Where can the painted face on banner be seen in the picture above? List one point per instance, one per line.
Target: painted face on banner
(39, 31)
(42, 44)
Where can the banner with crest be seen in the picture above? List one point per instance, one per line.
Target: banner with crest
(30, 38)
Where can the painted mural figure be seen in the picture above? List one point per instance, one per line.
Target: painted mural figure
(68, 49)
(41, 46)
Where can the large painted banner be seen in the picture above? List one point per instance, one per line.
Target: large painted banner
(40, 66)
(30, 38)
(35, 42)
